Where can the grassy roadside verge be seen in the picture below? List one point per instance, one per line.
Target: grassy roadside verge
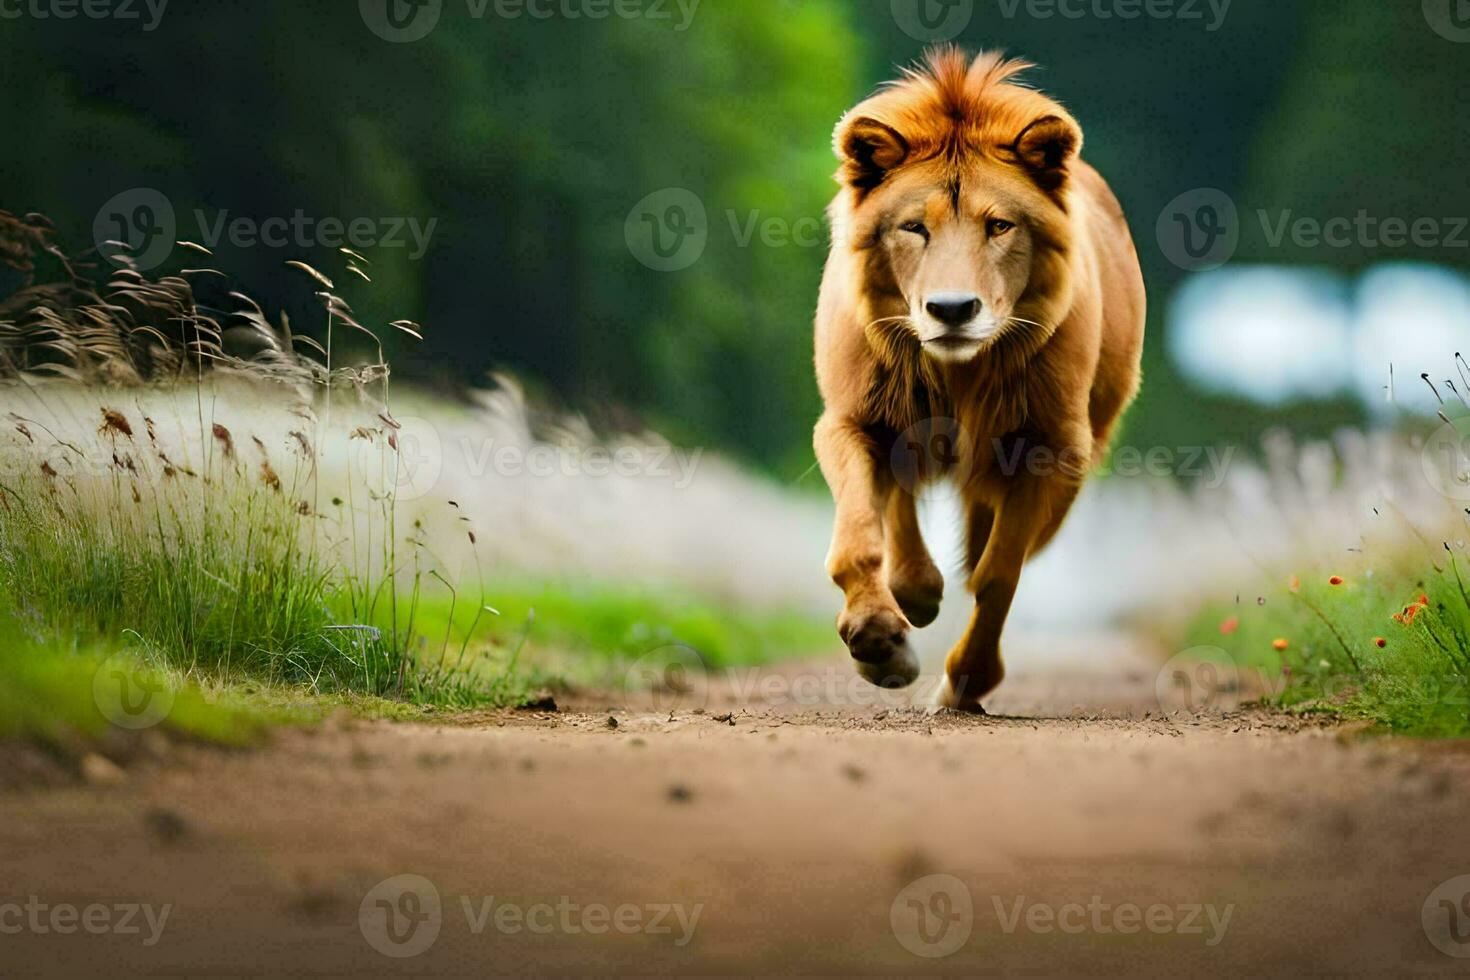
(67, 693)
(1384, 642)
(200, 504)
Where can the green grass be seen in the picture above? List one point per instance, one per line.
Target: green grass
(581, 632)
(49, 693)
(1417, 682)
(220, 570)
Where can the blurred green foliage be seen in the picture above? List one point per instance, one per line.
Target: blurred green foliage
(528, 140)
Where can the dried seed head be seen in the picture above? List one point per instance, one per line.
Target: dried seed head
(323, 280)
(114, 424)
(225, 440)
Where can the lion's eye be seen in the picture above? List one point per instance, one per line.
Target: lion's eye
(915, 228)
(997, 227)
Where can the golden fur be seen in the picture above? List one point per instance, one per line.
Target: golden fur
(962, 190)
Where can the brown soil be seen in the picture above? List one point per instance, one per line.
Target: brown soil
(798, 829)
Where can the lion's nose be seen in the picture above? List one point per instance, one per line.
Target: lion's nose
(953, 309)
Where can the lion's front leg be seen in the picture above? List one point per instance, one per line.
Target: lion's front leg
(871, 623)
(1031, 510)
(913, 578)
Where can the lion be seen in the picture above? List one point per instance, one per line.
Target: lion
(981, 318)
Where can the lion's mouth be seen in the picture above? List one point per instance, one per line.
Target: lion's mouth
(953, 342)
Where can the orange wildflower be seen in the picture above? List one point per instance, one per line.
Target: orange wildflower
(1411, 611)
(1230, 626)
(1281, 644)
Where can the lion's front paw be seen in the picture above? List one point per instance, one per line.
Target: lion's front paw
(878, 642)
(899, 670)
(874, 635)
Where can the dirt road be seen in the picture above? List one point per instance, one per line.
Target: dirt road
(789, 825)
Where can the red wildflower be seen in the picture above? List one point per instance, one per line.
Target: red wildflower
(1335, 580)
(1230, 626)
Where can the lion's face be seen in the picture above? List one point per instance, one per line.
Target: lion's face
(962, 248)
(958, 252)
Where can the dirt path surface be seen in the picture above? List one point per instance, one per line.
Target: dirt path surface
(792, 824)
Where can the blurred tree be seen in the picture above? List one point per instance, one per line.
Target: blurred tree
(526, 140)
(1370, 122)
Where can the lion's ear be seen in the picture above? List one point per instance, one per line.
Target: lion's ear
(868, 150)
(1047, 148)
